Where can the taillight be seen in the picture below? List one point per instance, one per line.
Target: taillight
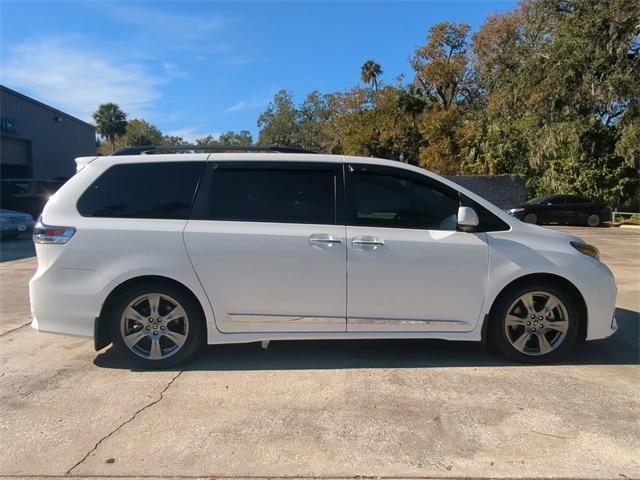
(49, 234)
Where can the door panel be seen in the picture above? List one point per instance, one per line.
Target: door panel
(418, 280)
(408, 268)
(263, 277)
(266, 243)
(554, 210)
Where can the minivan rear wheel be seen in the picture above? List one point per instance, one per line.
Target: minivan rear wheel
(156, 325)
(535, 323)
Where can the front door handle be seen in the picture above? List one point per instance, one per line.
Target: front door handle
(363, 241)
(323, 239)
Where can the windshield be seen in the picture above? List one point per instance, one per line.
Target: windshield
(537, 200)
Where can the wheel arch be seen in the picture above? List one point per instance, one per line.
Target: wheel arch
(101, 336)
(541, 277)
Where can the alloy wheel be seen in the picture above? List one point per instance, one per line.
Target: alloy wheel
(536, 323)
(530, 218)
(154, 326)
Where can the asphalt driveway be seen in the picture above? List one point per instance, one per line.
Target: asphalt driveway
(322, 409)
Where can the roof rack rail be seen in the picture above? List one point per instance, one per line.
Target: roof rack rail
(154, 149)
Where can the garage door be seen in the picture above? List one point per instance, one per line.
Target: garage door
(15, 155)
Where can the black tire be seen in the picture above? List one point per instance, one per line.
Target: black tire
(530, 218)
(499, 333)
(593, 220)
(194, 318)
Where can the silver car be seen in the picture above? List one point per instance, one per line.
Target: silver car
(13, 223)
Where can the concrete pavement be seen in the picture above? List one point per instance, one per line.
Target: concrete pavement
(322, 409)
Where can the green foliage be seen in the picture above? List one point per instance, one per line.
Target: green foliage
(369, 73)
(110, 122)
(548, 90)
(173, 141)
(243, 137)
(140, 132)
(278, 123)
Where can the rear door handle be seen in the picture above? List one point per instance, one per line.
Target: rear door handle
(323, 239)
(367, 241)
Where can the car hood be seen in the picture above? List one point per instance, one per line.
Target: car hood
(537, 231)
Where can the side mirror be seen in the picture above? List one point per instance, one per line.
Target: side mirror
(467, 219)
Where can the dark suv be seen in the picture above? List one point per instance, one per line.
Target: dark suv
(570, 209)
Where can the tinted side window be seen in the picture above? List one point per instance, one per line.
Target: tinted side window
(278, 195)
(386, 200)
(143, 190)
(576, 200)
(557, 200)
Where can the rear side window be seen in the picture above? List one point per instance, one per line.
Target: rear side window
(143, 190)
(278, 195)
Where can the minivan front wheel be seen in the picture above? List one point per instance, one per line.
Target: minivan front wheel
(535, 324)
(156, 325)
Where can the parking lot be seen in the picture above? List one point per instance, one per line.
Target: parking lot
(322, 409)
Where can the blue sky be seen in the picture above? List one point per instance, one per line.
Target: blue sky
(198, 68)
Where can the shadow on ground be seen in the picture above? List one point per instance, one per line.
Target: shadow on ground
(623, 348)
(17, 248)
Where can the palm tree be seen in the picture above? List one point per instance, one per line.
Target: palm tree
(110, 122)
(370, 72)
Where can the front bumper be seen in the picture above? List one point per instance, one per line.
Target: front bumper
(599, 290)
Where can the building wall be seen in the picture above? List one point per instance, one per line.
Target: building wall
(504, 191)
(49, 138)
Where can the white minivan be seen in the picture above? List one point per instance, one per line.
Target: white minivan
(160, 251)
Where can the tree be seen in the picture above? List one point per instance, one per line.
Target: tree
(441, 63)
(278, 124)
(208, 141)
(174, 141)
(140, 132)
(110, 122)
(369, 73)
(243, 137)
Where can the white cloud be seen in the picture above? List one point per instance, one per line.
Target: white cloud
(177, 26)
(75, 78)
(173, 71)
(248, 104)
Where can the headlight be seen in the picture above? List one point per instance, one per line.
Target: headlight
(586, 249)
(515, 210)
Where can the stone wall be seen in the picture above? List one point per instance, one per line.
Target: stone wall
(504, 191)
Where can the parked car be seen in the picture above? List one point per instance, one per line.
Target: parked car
(13, 223)
(26, 194)
(161, 253)
(569, 209)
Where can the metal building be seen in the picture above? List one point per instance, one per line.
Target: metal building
(39, 141)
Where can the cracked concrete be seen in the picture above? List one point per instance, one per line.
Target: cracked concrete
(149, 405)
(321, 409)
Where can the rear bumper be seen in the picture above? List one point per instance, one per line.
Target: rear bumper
(67, 300)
